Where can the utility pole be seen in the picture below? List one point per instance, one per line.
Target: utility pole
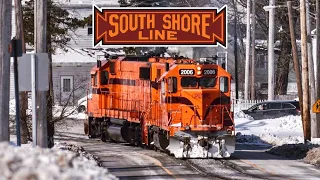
(247, 67)
(5, 31)
(318, 64)
(295, 54)
(311, 69)
(305, 73)
(271, 52)
(236, 49)
(253, 46)
(40, 19)
(23, 95)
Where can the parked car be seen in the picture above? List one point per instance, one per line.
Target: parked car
(273, 109)
(82, 104)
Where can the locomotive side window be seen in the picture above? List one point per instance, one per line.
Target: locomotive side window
(224, 84)
(158, 73)
(144, 73)
(112, 68)
(172, 85)
(104, 75)
(94, 79)
(207, 82)
(189, 82)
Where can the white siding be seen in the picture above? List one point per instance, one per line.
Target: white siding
(11, 82)
(13, 33)
(81, 39)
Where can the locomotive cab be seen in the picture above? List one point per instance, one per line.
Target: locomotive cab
(197, 98)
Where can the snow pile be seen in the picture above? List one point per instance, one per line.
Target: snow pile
(249, 139)
(294, 151)
(309, 153)
(313, 157)
(279, 131)
(68, 112)
(240, 114)
(48, 164)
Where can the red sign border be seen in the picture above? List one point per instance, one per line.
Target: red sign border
(100, 43)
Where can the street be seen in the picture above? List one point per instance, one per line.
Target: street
(128, 162)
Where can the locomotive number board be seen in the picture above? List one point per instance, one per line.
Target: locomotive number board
(209, 72)
(187, 72)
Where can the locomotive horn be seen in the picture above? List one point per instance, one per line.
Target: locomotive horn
(98, 63)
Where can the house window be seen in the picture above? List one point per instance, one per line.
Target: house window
(89, 30)
(66, 83)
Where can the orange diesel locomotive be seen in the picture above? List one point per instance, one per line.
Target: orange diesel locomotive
(177, 104)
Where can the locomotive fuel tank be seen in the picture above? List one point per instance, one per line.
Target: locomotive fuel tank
(118, 130)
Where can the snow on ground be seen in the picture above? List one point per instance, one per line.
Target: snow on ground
(68, 111)
(49, 164)
(285, 134)
(284, 130)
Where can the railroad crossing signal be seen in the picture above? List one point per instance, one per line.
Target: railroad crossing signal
(316, 107)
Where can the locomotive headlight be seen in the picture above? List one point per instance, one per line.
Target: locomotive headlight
(198, 72)
(198, 68)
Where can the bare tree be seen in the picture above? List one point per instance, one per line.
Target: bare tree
(67, 105)
(61, 111)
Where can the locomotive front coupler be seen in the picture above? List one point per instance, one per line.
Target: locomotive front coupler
(203, 142)
(186, 144)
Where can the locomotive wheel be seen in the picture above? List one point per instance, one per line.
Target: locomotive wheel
(150, 139)
(137, 136)
(86, 129)
(104, 134)
(91, 128)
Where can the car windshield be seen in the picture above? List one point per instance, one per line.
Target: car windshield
(258, 107)
(192, 82)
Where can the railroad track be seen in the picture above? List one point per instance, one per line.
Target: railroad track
(133, 162)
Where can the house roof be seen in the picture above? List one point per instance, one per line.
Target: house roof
(79, 56)
(83, 55)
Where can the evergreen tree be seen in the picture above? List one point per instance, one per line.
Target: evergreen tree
(60, 24)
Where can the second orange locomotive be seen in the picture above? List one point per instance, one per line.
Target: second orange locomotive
(179, 105)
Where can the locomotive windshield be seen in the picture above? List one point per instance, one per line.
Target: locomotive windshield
(189, 82)
(206, 82)
(192, 82)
